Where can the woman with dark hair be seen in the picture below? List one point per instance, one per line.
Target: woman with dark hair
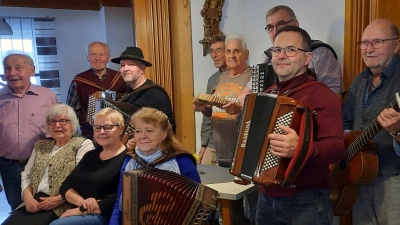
(157, 147)
(52, 160)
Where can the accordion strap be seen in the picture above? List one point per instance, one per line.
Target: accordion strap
(90, 83)
(141, 88)
(160, 159)
(303, 149)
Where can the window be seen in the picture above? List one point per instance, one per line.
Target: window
(35, 37)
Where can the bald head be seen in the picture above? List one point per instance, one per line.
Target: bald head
(385, 25)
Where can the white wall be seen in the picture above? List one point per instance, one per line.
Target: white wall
(76, 28)
(322, 19)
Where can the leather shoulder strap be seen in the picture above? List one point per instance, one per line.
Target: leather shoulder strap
(141, 88)
(115, 80)
(87, 82)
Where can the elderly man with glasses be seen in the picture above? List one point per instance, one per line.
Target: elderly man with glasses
(370, 94)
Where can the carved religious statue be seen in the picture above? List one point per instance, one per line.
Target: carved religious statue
(211, 13)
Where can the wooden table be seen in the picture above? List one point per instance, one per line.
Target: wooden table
(219, 179)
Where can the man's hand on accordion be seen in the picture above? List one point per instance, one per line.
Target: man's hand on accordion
(233, 108)
(130, 145)
(203, 108)
(284, 145)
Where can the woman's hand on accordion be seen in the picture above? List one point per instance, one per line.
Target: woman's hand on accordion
(284, 145)
(233, 108)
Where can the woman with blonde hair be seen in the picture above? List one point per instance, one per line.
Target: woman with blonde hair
(156, 147)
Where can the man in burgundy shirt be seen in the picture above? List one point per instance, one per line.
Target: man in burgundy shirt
(307, 201)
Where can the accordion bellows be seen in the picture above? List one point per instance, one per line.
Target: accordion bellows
(152, 196)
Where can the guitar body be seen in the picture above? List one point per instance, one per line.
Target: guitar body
(346, 179)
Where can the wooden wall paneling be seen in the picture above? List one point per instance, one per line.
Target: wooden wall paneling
(385, 9)
(182, 67)
(163, 32)
(356, 19)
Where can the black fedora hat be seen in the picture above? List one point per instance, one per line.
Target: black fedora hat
(134, 53)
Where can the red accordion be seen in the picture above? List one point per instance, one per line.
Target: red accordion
(152, 196)
(262, 115)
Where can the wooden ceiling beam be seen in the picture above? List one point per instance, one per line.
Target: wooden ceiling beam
(67, 4)
(117, 3)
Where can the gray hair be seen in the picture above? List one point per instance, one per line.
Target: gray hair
(236, 37)
(23, 54)
(99, 43)
(59, 110)
(287, 9)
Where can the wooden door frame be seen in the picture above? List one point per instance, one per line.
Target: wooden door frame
(163, 32)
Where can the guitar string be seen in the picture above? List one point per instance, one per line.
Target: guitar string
(352, 149)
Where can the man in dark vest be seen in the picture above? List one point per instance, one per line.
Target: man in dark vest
(370, 94)
(97, 78)
(145, 93)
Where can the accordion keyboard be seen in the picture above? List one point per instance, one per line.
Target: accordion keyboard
(271, 160)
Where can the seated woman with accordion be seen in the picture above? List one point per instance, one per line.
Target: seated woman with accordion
(156, 147)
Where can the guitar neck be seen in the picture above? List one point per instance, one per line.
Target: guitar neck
(367, 135)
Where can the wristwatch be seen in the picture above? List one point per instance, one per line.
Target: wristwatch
(83, 210)
(396, 135)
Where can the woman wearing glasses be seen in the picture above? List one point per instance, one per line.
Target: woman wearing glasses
(52, 160)
(92, 185)
(154, 140)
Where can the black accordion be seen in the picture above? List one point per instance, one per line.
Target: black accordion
(263, 76)
(152, 196)
(262, 115)
(106, 99)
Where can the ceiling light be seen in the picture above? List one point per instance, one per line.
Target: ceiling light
(5, 28)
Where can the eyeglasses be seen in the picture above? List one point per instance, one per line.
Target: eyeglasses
(61, 122)
(377, 43)
(290, 51)
(106, 128)
(216, 51)
(270, 28)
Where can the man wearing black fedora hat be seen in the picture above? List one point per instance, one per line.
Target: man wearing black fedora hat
(145, 93)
